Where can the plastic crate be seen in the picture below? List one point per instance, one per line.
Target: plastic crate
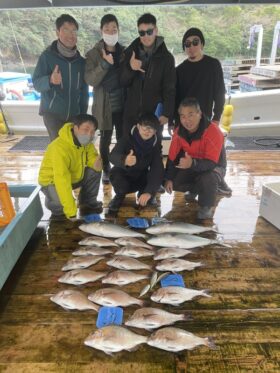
(14, 237)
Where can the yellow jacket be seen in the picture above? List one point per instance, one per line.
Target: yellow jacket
(64, 164)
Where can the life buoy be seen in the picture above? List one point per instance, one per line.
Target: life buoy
(16, 93)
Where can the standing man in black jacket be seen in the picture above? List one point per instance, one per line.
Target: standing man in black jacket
(148, 72)
(137, 164)
(201, 76)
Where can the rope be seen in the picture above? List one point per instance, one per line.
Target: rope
(14, 35)
(268, 141)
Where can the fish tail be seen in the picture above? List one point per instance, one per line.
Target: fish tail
(186, 316)
(205, 293)
(209, 341)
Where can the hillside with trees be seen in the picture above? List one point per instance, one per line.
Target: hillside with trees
(226, 29)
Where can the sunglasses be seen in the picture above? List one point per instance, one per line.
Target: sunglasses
(148, 32)
(194, 42)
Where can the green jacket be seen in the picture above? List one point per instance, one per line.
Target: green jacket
(96, 70)
(71, 97)
(64, 164)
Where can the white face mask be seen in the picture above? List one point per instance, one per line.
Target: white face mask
(110, 40)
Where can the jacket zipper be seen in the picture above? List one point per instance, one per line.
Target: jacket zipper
(52, 100)
(69, 93)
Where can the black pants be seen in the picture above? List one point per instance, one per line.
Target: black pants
(205, 184)
(53, 124)
(105, 139)
(124, 182)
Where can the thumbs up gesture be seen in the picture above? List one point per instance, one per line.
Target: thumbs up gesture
(56, 77)
(136, 64)
(185, 162)
(107, 57)
(130, 159)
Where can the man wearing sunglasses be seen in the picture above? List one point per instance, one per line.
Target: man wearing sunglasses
(148, 72)
(201, 76)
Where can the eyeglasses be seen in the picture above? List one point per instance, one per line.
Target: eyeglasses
(194, 42)
(144, 32)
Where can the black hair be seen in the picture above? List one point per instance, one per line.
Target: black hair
(147, 18)
(149, 119)
(189, 102)
(193, 31)
(107, 19)
(65, 18)
(78, 120)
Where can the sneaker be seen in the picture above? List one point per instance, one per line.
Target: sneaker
(95, 208)
(190, 197)
(105, 178)
(224, 189)
(152, 202)
(205, 212)
(161, 190)
(116, 202)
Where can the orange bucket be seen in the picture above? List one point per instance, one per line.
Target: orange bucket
(7, 211)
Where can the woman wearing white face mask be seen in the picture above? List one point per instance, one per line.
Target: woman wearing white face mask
(102, 72)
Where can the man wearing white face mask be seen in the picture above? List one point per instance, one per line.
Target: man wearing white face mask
(71, 161)
(102, 72)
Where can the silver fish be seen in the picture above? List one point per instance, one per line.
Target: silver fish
(152, 318)
(183, 241)
(81, 262)
(105, 229)
(177, 265)
(153, 280)
(175, 339)
(175, 295)
(113, 297)
(121, 278)
(113, 338)
(145, 290)
(73, 300)
(89, 250)
(132, 241)
(97, 241)
(81, 276)
(134, 251)
(177, 227)
(127, 263)
(171, 253)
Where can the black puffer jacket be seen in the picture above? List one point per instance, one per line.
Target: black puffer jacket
(148, 160)
(146, 90)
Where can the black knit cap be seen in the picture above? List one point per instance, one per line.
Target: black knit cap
(193, 32)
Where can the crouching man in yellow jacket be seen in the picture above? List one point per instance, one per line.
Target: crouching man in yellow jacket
(71, 161)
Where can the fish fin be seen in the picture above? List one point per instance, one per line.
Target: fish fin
(206, 293)
(209, 341)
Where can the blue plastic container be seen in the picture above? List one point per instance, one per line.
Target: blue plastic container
(109, 316)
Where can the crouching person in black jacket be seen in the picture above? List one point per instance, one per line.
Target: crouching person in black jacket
(137, 164)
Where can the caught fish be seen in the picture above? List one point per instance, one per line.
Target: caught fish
(113, 338)
(175, 339)
(152, 318)
(132, 241)
(127, 263)
(145, 290)
(171, 253)
(113, 297)
(81, 276)
(121, 278)
(105, 229)
(89, 250)
(134, 251)
(81, 262)
(153, 280)
(97, 241)
(177, 227)
(177, 265)
(175, 295)
(73, 300)
(183, 241)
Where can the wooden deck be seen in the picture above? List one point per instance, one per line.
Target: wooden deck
(243, 314)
